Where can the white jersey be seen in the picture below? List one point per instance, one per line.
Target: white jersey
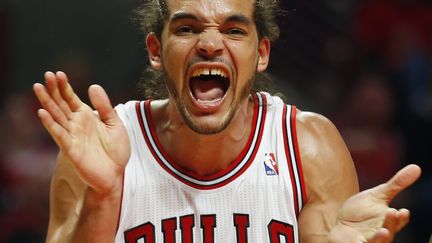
(256, 199)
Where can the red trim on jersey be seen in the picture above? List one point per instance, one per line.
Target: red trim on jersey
(289, 162)
(234, 165)
(191, 173)
(143, 131)
(141, 122)
(297, 153)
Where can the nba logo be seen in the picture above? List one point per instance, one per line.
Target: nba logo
(270, 164)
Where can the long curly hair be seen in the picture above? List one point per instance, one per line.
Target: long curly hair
(151, 16)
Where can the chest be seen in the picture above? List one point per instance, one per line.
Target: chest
(256, 206)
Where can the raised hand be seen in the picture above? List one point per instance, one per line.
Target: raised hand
(95, 143)
(367, 217)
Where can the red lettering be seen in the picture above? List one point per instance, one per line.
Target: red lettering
(187, 223)
(169, 227)
(145, 231)
(208, 224)
(277, 229)
(241, 222)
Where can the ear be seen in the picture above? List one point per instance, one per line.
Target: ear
(263, 54)
(153, 49)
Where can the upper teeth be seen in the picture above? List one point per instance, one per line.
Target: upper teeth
(209, 71)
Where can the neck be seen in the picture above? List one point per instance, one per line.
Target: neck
(200, 153)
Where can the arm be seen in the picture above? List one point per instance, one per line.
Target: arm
(94, 149)
(329, 174)
(331, 213)
(66, 198)
(73, 213)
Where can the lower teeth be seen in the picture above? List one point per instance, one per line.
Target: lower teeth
(209, 101)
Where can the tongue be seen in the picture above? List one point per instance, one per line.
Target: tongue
(207, 90)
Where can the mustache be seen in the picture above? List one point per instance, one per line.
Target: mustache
(209, 61)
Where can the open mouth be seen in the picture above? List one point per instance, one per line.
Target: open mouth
(209, 85)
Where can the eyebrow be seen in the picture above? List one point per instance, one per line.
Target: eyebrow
(183, 15)
(232, 18)
(238, 18)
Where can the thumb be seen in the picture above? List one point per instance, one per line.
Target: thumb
(399, 182)
(101, 102)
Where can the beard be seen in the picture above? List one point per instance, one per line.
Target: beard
(206, 127)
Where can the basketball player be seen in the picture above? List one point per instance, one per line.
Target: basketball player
(214, 162)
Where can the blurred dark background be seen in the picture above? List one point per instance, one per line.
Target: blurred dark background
(367, 65)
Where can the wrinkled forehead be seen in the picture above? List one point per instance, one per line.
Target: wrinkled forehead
(212, 8)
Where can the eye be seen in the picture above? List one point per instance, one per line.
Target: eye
(235, 32)
(185, 30)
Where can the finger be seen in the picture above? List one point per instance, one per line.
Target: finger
(57, 132)
(381, 236)
(404, 216)
(102, 104)
(67, 92)
(53, 89)
(391, 221)
(50, 106)
(403, 178)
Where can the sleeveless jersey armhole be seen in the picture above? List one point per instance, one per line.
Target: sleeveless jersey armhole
(297, 153)
(122, 112)
(293, 157)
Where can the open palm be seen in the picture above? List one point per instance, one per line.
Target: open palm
(95, 143)
(366, 216)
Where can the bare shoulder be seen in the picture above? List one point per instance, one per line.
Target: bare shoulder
(328, 172)
(67, 194)
(326, 160)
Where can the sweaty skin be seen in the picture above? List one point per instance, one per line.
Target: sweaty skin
(199, 34)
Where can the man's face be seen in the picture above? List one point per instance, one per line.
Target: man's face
(210, 53)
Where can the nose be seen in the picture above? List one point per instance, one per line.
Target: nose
(210, 43)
